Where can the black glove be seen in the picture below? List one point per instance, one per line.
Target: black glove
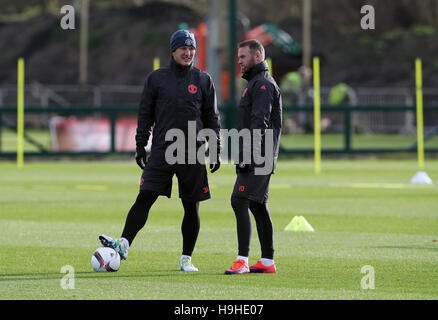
(243, 167)
(215, 166)
(140, 156)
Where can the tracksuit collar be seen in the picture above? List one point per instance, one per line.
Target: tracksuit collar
(260, 67)
(178, 69)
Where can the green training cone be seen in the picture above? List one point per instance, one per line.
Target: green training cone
(299, 223)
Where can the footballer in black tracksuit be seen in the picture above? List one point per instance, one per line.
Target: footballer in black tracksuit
(177, 102)
(260, 108)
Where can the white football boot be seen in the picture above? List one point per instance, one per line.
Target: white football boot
(121, 245)
(185, 264)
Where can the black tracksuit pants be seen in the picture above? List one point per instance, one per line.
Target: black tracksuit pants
(138, 215)
(264, 225)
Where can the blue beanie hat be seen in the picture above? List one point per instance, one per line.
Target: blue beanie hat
(182, 38)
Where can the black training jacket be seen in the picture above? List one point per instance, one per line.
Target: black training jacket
(171, 97)
(261, 108)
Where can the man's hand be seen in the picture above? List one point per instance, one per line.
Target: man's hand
(216, 163)
(140, 157)
(215, 166)
(243, 167)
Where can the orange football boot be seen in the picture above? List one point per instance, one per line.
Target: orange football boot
(239, 266)
(259, 267)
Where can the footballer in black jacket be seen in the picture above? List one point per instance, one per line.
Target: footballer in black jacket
(174, 97)
(260, 112)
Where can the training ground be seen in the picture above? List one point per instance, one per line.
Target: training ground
(375, 234)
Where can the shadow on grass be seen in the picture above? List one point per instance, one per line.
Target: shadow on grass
(100, 275)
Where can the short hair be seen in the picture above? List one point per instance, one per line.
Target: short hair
(254, 45)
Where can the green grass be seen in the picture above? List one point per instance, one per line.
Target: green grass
(8, 140)
(363, 213)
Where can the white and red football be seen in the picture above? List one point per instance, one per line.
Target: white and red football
(105, 260)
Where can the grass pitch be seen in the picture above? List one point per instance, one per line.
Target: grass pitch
(365, 213)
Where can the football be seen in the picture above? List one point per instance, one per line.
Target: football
(105, 260)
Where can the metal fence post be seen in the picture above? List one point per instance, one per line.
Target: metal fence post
(113, 130)
(347, 129)
(1, 129)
